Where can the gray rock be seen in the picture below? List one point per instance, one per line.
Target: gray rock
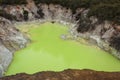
(10, 41)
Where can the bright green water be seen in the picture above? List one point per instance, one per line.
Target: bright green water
(49, 52)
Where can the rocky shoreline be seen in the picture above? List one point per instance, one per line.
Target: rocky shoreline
(10, 40)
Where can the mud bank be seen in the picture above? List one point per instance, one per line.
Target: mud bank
(67, 75)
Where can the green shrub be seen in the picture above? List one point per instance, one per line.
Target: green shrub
(115, 42)
(12, 2)
(106, 12)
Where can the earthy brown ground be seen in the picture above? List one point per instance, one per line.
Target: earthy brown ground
(67, 75)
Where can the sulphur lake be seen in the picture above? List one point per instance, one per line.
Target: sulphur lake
(48, 52)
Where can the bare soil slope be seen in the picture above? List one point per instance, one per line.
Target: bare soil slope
(67, 75)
